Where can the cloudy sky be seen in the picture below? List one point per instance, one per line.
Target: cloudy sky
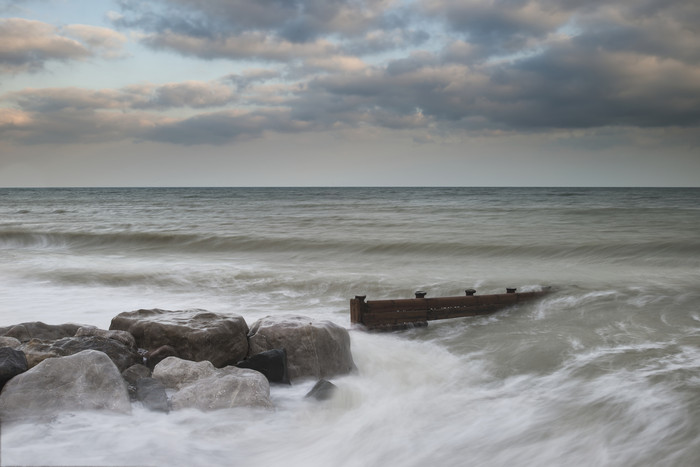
(349, 92)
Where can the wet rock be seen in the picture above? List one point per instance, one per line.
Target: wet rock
(271, 363)
(25, 332)
(158, 355)
(136, 372)
(315, 349)
(195, 335)
(7, 341)
(202, 386)
(122, 336)
(151, 393)
(12, 363)
(88, 380)
(322, 390)
(38, 351)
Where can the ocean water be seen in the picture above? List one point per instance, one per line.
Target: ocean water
(603, 372)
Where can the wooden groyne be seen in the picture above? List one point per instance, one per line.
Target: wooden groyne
(403, 313)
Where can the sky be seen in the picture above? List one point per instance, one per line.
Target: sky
(349, 93)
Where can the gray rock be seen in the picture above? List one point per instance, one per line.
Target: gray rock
(322, 390)
(195, 335)
(12, 363)
(202, 386)
(7, 341)
(136, 372)
(176, 373)
(151, 393)
(315, 349)
(122, 356)
(122, 336)
(38, 330)
(85, 381)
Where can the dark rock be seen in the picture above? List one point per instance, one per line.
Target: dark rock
(38, 351)
(158, 355)
(317, 349)
(201, 386)
(195, 335)
(38, 330)
(136, 372)
(271, 363)
(122, 336)
(152, 394)
(12, 363)
(87, 380)
(322, 390)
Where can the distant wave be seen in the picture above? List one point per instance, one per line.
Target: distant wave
(193, 243)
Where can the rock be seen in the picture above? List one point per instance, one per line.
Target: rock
(151, 393)
(36, 351)
(271, 363)
(317, 349)
(87, 380)
(202, 386)
(122, 336)
(7, 341)
(38, 330)
(195, 335)
(136, 372)
(322, 390)
(158, 355)
(122, 356)
(12, 363)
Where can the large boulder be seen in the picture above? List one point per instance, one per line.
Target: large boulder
(201, 386)
(195, 335)
(38, 350)
(38, 330)
(315, 349)
(12, 363)
(85, 381)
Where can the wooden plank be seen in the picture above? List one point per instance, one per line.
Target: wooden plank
(447, 313)
(394, 317)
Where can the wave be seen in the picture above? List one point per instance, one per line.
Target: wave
(123, 242)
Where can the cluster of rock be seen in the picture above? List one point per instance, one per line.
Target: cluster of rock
(166, 360)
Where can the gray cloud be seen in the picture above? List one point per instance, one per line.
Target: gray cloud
(503, 65)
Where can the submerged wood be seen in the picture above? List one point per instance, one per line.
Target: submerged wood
(416, 312)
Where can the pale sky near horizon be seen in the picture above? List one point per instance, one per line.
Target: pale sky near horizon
(349, 93)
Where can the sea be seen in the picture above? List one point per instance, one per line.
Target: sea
(604, 371)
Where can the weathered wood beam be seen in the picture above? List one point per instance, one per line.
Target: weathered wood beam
(376, 314)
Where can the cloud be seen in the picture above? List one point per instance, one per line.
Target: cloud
(446, 68)
(102, 41)
(26, 45)
(274, 30)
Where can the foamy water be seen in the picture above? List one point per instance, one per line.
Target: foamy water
(605, 371)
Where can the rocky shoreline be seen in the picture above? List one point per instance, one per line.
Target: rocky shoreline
(165, 360)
